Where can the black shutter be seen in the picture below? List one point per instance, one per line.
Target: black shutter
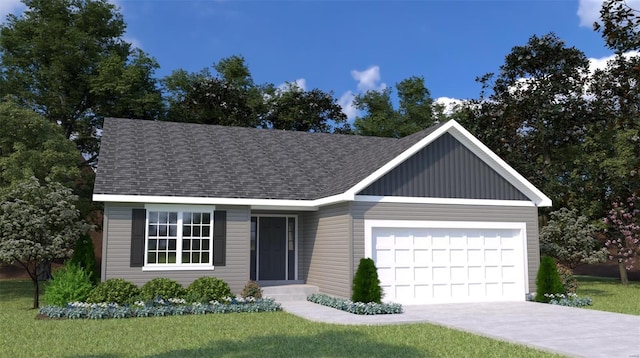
(219, 238)
(138, 220)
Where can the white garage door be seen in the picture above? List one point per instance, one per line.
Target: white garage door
(426, 264)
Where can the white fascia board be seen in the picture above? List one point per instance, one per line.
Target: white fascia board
(473, 144)
(450, 201)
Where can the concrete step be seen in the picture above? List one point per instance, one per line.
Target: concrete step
(297, 292)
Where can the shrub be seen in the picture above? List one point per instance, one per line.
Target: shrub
(370, 308)
(569, 282)
(366, 285)
(114, 290)
(207, 289)
(84, 257)
(162, 287)
(251, 289)
(548, 280)
(570, 300)
(70, 283)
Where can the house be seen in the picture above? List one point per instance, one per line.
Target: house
(444, 219)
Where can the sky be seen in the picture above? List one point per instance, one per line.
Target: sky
(349, 47)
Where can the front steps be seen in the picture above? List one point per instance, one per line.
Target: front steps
(296, 292)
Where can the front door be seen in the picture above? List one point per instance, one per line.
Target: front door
(272, 248)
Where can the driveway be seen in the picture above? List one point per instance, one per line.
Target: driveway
(570, 331)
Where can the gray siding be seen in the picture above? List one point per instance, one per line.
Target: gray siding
(444, 169)
(394, 211)
(326, 250)
(117, 247)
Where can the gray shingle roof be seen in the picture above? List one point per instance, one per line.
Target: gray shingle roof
(156, 158)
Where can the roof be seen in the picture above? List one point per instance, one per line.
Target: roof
(142, 159)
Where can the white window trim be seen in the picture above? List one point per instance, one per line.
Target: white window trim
(178, 266)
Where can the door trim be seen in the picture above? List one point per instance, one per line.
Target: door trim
(296, 243)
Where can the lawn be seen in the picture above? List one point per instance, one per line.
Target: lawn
(609, 295)
(275, 334)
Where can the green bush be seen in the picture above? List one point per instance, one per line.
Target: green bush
(207, 289)
(69, 284)
(569, 282)
(370, 308)
(251, 289)
(84, 257)
(548, 281)
(366, 285)
(163, 287)
(114, 290)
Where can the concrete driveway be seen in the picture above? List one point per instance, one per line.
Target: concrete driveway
(570, 331)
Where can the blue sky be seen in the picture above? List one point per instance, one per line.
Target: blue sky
(352, 46)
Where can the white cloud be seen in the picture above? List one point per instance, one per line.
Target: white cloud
(589, 10)
(133, 41)
(601, 63)
(448, 103)
(10, 7)
(368, 80)
(299, 83)
(346, 102)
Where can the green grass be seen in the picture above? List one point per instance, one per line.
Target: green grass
(275, 334)
(609, 294)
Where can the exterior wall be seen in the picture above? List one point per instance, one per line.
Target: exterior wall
(447, 212)
(117, 249)
(326, 250)
(444, 169)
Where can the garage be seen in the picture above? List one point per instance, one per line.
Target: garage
(422, 262)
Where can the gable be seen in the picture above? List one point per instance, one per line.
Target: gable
(444, 169)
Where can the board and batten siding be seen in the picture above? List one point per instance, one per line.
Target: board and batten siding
(325, 256)
(117, 249)
(361, 211)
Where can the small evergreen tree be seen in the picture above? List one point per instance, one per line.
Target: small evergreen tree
(548, 280)
(366, 285)
(84, 257)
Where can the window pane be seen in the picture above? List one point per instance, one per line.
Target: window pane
(173, 218)
(172, 258)
(172, 244)
(206, 231)
(152, 244)
(151, 257)
(173, 230)
(186, 218)
(195, 258)
(186, 244)
(162, 244)
(153, 216)
(162, 230)
(185, 258)
(206, 218)
(195, 244)
(153, 230)
(163, 217)
(196, 231)
(186, 230)
(196, 218)
(205, 258)
(205, 244)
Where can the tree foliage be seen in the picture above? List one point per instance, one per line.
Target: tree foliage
(38, 223)
(414, 113)
(624, 233)
(569, 238)
(620, 26)
(548, 280)
(85, 258)
(67, 60)
(366, 285)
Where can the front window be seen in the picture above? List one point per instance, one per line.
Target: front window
(179, 236)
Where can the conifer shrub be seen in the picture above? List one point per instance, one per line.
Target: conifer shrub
(366, 284)
(161, 287)
(114, 290)
(70, 283)
(251, 289)
(548, 281)
(206, 289)
(84, 257)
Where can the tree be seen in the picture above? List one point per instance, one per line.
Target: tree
(84, 257)
(38, 223)
(32, 147)
(548, 281)
(569, 238)
(366, 285)
(415, 111)
(67, 60)
(624, 238)
(620, 26)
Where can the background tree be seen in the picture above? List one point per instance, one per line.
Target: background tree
(38, 223)
(67, 60)
(414, 113)
(620, 25)
(624, 234)
(569, 238)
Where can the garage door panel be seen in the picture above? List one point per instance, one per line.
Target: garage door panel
(429, 265)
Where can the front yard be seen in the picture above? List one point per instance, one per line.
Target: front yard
(227, 335)
(609, 295)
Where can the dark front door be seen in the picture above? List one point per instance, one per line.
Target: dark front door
(272, 248)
